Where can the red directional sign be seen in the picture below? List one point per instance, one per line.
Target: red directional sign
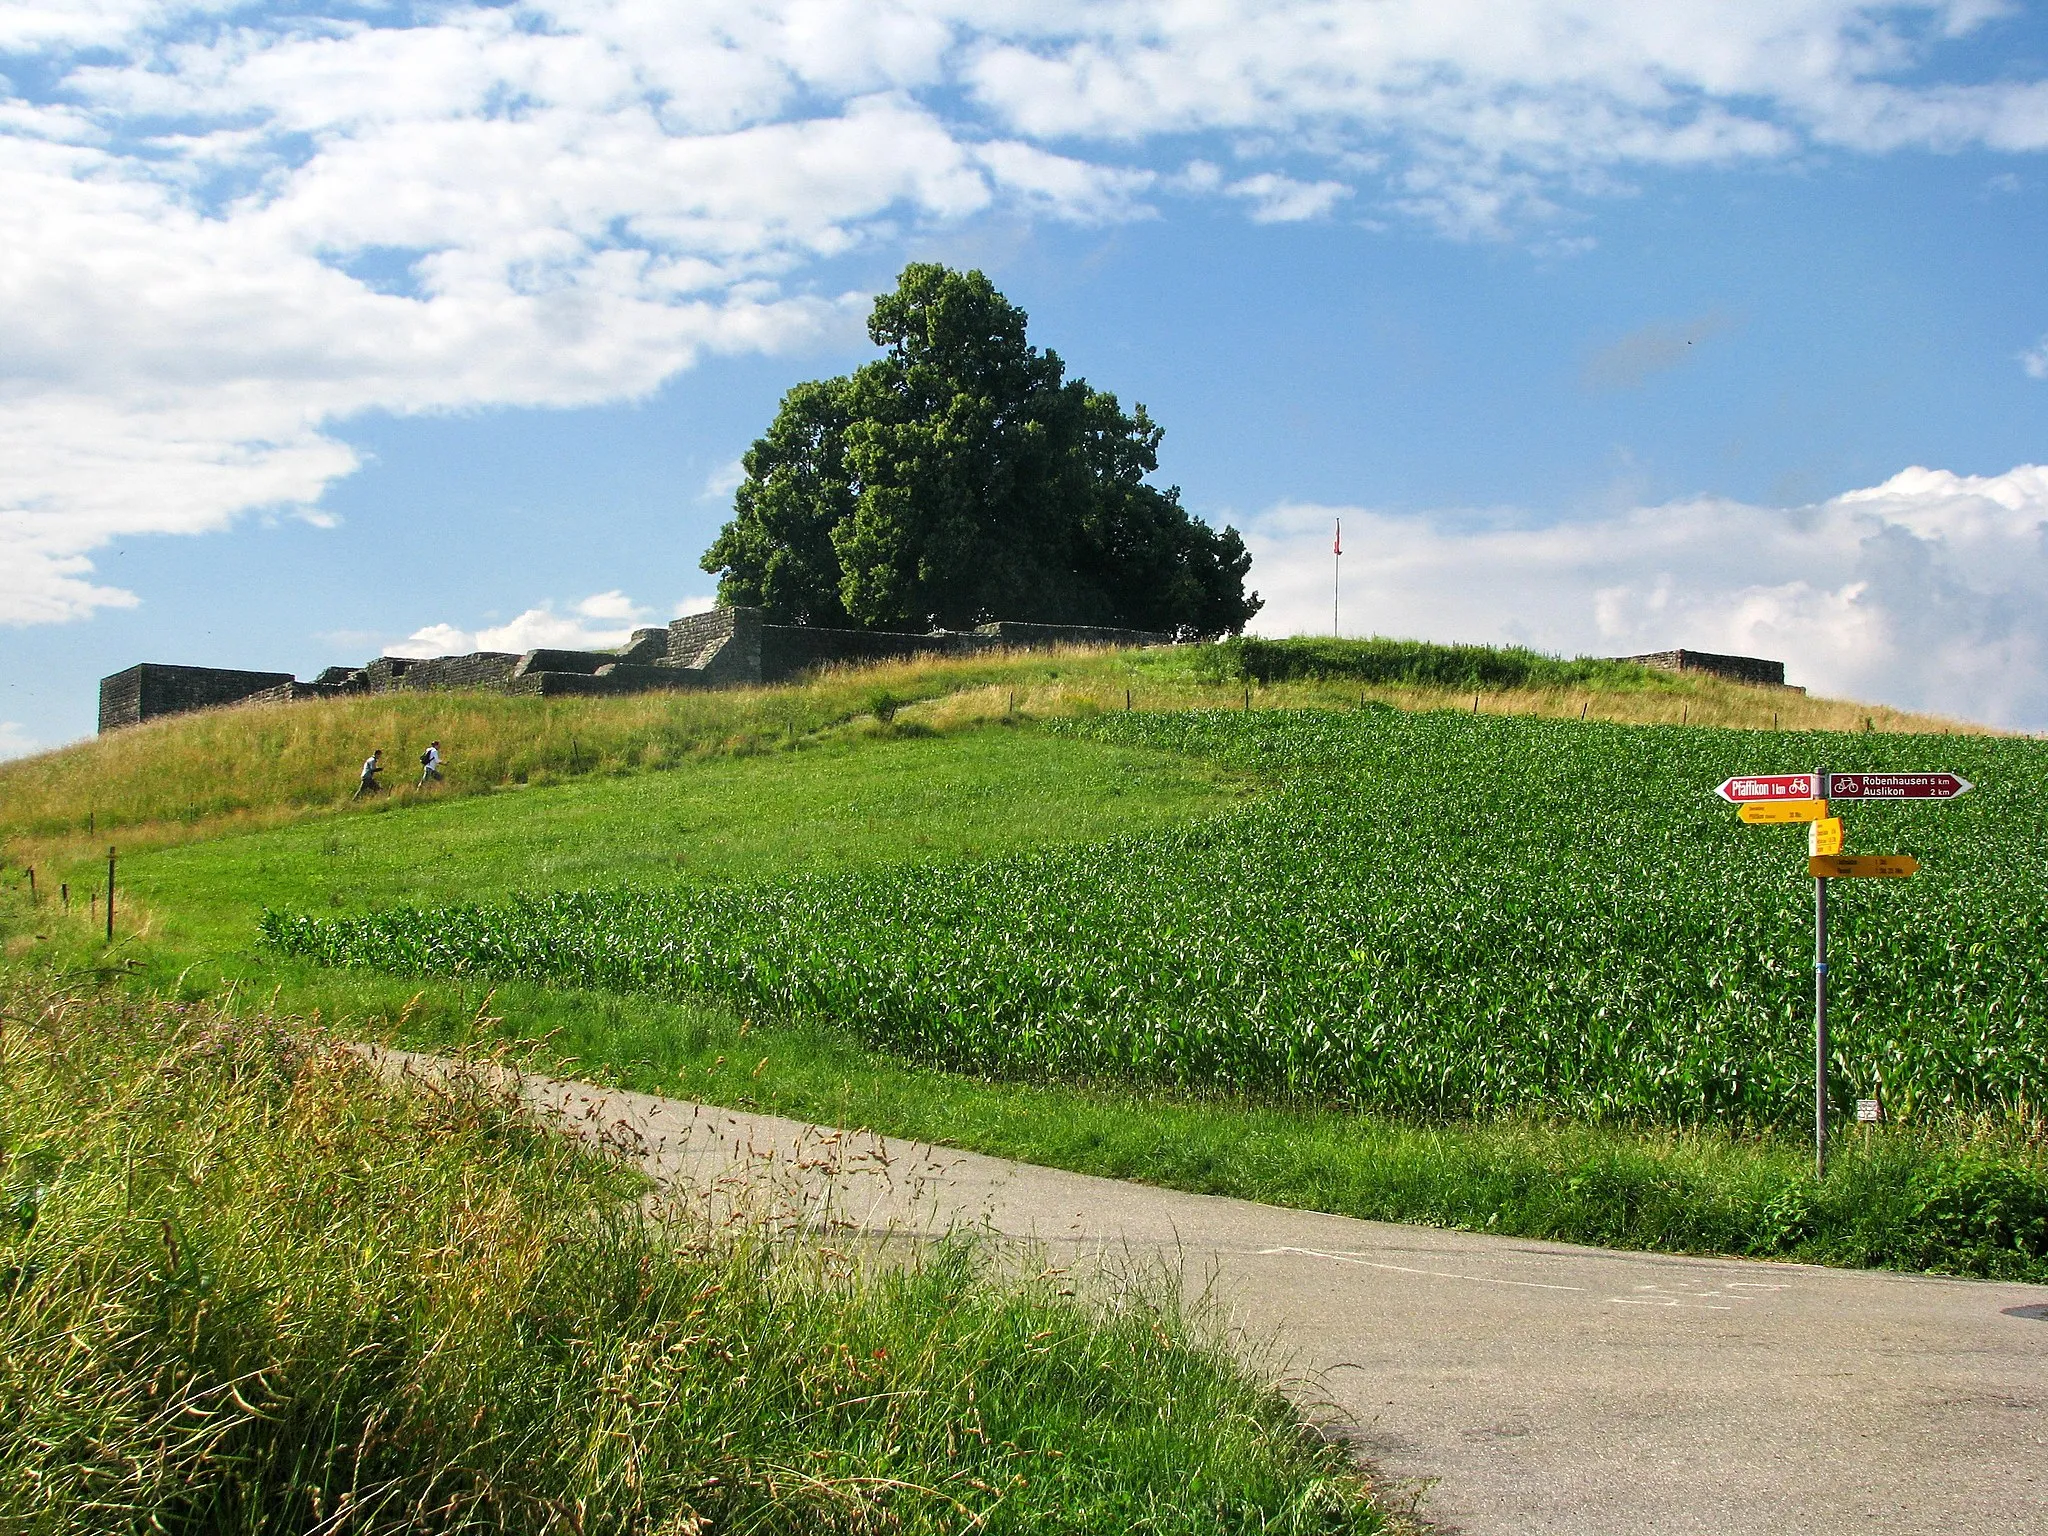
(1897, 786)
(1772, 786)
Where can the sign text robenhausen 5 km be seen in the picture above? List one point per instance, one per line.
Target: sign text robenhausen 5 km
(1896, 786)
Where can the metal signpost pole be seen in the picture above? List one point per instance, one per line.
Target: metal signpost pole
(110, 895)
(1820, 1005)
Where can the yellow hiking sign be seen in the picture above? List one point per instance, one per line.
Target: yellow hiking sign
(1778, 813)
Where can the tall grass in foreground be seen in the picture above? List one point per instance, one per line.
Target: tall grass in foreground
(246, 1286)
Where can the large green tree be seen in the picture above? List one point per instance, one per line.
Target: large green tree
(963, 477)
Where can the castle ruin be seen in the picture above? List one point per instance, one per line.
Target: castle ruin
(725, 648)
(1753, 670)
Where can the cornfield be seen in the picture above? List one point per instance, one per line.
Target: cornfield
(1438, 914)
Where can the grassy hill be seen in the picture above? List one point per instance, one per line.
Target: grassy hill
(1477, 962)
(211, 774)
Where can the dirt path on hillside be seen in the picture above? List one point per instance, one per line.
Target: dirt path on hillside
(1528, 1387)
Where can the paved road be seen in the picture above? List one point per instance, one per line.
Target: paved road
(1528, 1387)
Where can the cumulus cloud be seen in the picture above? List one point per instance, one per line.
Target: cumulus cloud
(1277, 199)
(229, 231)
(1485, 106)
(434, 640)
(2035, 360)
(598, 622)
(1929, 591)
(723, 481)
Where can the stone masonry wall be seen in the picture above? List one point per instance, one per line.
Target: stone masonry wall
(479, 669)
(788, 649)
(611, 681)
(1754, 670)
(154, 688)
(723, 646)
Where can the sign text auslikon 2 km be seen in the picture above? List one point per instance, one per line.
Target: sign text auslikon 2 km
(1780, 799)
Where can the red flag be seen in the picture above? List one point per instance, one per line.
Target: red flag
(1338, 547)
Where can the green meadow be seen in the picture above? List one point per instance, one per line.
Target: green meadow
(850, 802)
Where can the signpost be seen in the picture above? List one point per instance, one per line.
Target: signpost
(1784, 799)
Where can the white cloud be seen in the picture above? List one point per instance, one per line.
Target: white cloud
(15, 741)
(723, 481)
(2035, 359)
(595, 623)
(434, 640)
(228, 231)
(1277, 199)
(1929, 591)
(613, 605)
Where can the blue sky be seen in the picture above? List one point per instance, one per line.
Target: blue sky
(1605, 328)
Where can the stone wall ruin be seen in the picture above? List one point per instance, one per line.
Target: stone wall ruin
(725, 648)
(1754, 670)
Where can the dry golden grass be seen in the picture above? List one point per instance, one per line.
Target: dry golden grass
(244, 768)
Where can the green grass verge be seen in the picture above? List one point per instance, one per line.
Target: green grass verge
(247, 1287)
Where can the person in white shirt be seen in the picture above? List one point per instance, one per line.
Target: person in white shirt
(430, 766)
(372, 766)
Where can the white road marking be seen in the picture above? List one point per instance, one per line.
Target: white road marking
(1435, 1274)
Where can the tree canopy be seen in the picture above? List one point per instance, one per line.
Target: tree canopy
(963, 477)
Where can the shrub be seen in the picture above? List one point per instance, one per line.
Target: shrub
(1415, 663)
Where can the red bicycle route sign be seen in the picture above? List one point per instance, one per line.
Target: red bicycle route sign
(1843, 786)
(1771, 786)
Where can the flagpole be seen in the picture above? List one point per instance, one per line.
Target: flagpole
(1336, 576)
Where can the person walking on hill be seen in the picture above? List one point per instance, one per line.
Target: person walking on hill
(372, 766)
(430, 766)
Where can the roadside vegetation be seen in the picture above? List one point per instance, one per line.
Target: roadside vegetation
(247, 1286)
